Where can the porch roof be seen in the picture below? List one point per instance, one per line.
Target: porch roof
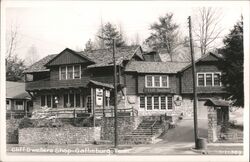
(216, 103)
(101, 84)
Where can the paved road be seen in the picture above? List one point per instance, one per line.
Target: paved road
(184, 132)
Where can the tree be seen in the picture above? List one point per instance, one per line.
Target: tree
(12, 39)
(14, 68)
(207, 28)
(89, 45)
(110, 31)
(232, 65)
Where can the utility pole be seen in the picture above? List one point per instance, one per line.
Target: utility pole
(115, 91)
(194, 84)
(115, 95)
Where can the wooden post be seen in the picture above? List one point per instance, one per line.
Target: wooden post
(104, 102)
(115, 97)
(93, 105)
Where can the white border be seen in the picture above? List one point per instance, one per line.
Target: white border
(245, 157)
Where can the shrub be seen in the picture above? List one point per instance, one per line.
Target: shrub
(26, 123)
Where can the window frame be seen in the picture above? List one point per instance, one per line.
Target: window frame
(73, 71)
(16, 107)
(205, 81)
(153, 81)
(153, 97)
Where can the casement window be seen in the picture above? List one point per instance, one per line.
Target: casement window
(217, 79)
(170, 103)
(201, 81)
(208, 79)
(70, 72)
(48, 100)
(163, 102)
(156, 102)
(89, 103)
(65, 100)
(149, 103)
(142, 101)
(71, 100)
(19, 105)
(149, 81)
(156, 81)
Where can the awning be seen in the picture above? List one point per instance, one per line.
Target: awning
(216, 103)
(97, 83)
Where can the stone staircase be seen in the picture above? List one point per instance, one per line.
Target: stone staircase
(146, 133)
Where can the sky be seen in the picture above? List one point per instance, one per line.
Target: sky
(53, 26)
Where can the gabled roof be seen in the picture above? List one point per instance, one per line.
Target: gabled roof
(100, 57)
(155, 67)
(214, 102)
(203, 58)
(39, 66)
(78, 58)
(104, 57)
(16, 90)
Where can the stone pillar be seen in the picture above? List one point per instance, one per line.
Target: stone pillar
(212, 124)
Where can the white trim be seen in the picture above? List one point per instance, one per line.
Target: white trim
(153, 81)
(205, 82)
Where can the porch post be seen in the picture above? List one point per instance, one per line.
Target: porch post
(93, 104)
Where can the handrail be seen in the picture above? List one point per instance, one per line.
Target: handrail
(152, 127)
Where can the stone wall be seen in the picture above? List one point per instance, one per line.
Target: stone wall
(12, 130)
(61, 135)
(125, 126)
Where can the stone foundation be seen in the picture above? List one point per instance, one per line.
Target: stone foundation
(61, 135)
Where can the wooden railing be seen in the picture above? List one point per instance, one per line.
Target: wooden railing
(17, 115)
(120, 112)
(152, 127)
(48, 84)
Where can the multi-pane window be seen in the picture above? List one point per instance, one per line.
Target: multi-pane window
(63, 73)
(163, 102)
(156, 81)
(216, 79)
(164, 80)
(65, 100)
(170, 103)
(89, 103)
(77, 71)
(142, 102)
(156, 102)
(208, 79)
(72, 100)
(8, 104)
(149, 103)
(149, 81)
(201, 82)
(70, 72)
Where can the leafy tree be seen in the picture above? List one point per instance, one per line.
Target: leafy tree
(110, 31)
(164, 35)
(89, 45)
(232, 65)
(14, 68)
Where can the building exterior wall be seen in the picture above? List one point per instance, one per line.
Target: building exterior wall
(187, 79)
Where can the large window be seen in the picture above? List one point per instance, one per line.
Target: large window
(156, 102)
(156, 81)
(42, 100)
(49, 100)
(70, 72)
(72, 100)
(208, 79)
